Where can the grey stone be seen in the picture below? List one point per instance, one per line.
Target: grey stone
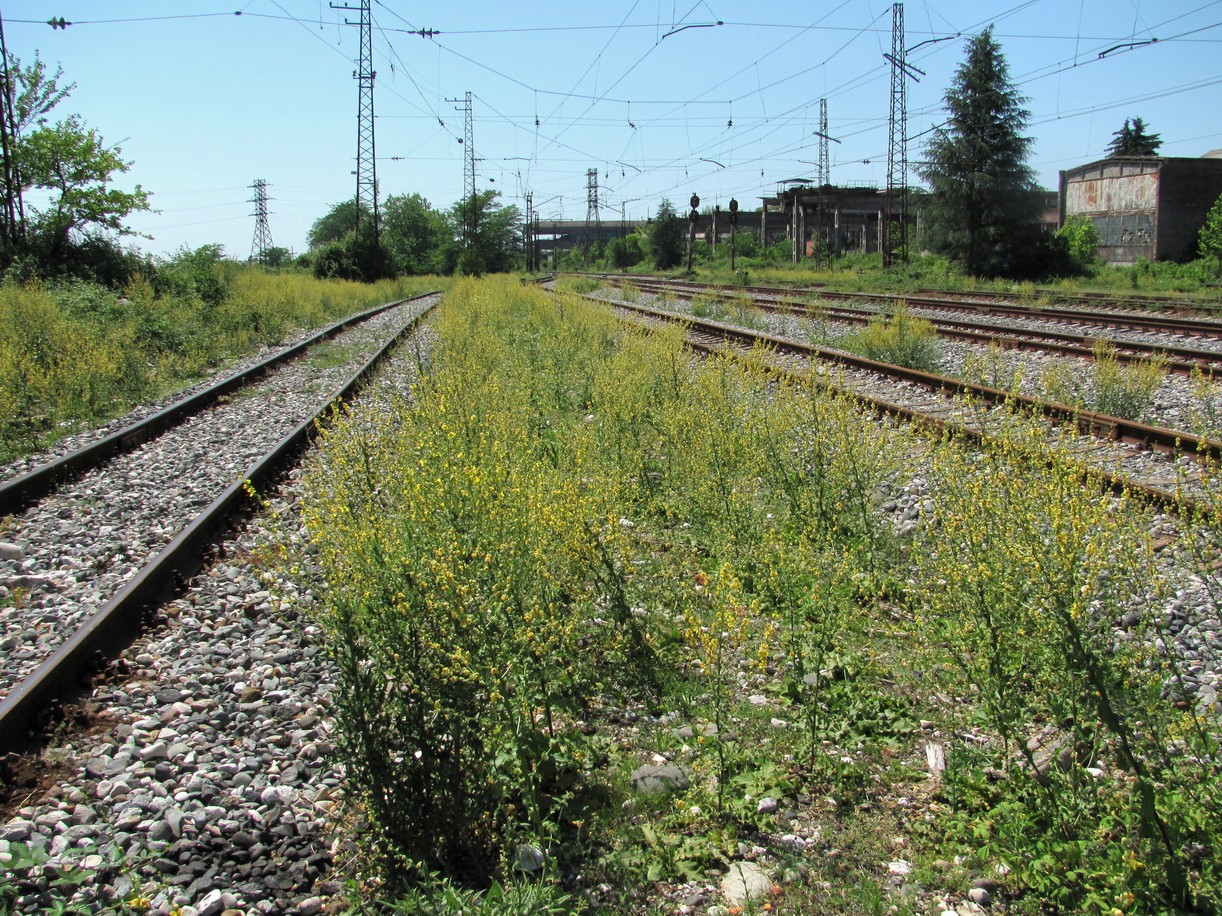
(655, 780)
(745, 882)
(211, 904)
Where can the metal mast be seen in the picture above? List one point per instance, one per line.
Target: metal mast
(593, 220)
(263, 235)
(470, 204)
(527, 242)
(825, 171)
(366, 158)
(896, 203)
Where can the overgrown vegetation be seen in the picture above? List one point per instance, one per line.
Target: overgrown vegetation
(74, 353)
(1111, 387)
(573, 526)
(900, 338)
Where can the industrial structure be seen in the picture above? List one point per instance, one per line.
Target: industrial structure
(1149, 207)
(831, 218)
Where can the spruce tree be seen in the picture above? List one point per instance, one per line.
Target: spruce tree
(666, 242)
(984, 205)
(1134, 140)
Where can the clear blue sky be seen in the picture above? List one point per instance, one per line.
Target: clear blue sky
(203, 102)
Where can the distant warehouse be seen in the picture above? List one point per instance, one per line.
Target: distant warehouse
(1144, 207)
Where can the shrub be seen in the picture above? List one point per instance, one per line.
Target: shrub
(901, 340)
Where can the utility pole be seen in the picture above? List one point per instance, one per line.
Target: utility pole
(528, 245)
(366, 158)
(470, 241)
(897, 144)
(825, 180)
(14, 208)
(593, 215)
(263, 235)
(825, 171)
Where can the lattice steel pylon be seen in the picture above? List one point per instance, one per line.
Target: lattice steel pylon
(528, 243)
(470, 204)
(366, 147)
(825, 171)
(896, 204)
(262, 242)
(593, 214)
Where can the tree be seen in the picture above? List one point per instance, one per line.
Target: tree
(1134, 140)
(982, 209)
(69, 162)
(338, 222)
(497, 245)
(414, 234)
(30, 94)
(1210, 237)
(627, 251)
(33, 94)
(74, 164)
(666, 237)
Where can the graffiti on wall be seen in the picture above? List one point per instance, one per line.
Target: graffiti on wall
(1125, 229)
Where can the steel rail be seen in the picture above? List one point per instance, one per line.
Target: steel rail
(1180, 360)
(29, 705)
(1119, 300)
(1132, 321)
(19, 492)
(1099, 425)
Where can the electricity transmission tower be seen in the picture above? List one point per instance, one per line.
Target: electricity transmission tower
(825, 171)
(528, 242)
(593, 218)
(468, 178)
(896, 204)
(366, 159)
(263, 235)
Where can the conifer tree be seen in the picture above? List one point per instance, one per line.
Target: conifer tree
(666, 237)
(1134, 140)
(983, 209)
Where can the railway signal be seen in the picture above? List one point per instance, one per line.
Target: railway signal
(691, 229)
(733, 229)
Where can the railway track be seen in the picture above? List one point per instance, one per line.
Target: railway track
(1172, 304)
(1148, 460)
(1131, 339)
(1183, 360)
(96, 538)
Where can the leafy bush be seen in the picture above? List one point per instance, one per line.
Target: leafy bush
(1081, 241)
(353, 257)
(1125, 390)
(901, 340)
